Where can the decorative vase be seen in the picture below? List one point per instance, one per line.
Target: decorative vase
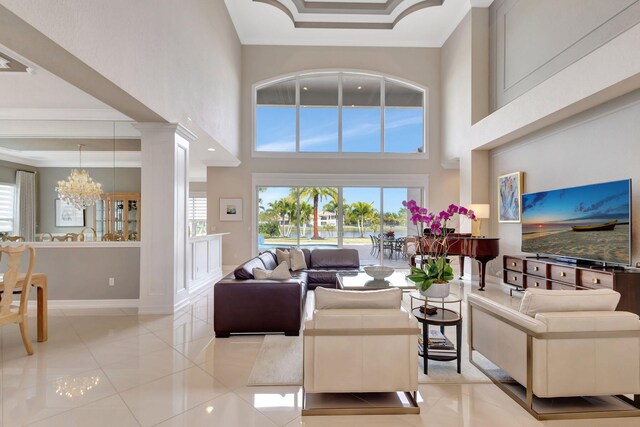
(437, 290)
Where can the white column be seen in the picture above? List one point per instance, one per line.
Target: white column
(165, 180)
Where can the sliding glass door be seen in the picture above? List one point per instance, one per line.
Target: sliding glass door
(371, 220)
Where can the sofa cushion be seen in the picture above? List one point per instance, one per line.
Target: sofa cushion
(337, 298)
(269, 260)
(307, 256)
(548, 301)
(245, 271)
(322, 276)
(335, 258)
(281, 272)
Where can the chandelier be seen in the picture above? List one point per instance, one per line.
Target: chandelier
(79, 190)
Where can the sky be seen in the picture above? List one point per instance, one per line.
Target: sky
(276, 129)
(598, 201)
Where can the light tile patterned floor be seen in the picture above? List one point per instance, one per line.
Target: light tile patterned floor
(114, 368)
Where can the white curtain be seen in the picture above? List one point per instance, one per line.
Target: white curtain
(26, 205)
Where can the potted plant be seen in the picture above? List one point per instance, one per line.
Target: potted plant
(436, 270)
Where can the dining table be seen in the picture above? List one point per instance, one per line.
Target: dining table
(38, 281)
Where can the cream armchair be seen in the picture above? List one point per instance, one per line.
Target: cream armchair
(360, 342)
(561, 344)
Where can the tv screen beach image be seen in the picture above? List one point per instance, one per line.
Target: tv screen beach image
(589, 222)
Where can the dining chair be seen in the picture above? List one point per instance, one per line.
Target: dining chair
(8, 312)
(373, 244)
(376, 241)
(398, 248)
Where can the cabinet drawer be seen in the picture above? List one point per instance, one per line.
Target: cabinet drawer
(536, 268)
(513, 264)
(562, 287)
(596, 279)
(563, 274)
(535, 282)
(513, 278)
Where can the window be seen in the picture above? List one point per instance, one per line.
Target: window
(335, 216)
(339, 113)
(197, 214)
(7, 195)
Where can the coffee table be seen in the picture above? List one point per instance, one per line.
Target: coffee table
(363, 282)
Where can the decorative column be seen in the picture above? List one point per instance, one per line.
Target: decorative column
(165, 181)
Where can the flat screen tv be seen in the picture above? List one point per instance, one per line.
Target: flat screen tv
(591, 222)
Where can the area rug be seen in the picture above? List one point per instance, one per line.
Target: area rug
(279, 362)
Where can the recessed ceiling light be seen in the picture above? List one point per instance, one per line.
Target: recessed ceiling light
(211, 149)
(305, 88)
(359, 87)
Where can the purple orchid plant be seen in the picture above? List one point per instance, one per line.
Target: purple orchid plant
(436, 269)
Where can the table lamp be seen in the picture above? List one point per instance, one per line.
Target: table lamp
(482, 212)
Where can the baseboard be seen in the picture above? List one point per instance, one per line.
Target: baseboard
(87, 303)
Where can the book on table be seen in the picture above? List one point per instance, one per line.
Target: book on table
(437, 341)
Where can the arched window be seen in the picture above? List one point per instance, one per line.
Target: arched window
(339, 112)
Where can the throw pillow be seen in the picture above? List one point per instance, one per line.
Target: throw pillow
(296, 259)
(281, 272)
(338, 298)
(537, 301)
(282, 255)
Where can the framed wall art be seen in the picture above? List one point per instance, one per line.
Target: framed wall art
(68, 216)
(230, 209)
(510, 196)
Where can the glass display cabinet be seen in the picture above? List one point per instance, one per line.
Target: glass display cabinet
(117, 217)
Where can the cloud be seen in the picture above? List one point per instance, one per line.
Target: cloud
(537, 200)
(597, 205)
(407, 121)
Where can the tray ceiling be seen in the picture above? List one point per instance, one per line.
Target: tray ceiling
(419, 23)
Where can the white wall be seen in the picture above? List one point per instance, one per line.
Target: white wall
(599, 145)
(533, 40)
(259, 63)
(179, 58)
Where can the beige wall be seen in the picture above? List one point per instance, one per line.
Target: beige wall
(599, 145)
(418, 65)
(179, 58)
(465, 83)
(533, 40)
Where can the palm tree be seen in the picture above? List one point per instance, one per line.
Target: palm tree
(304, 216)
(286, 211)
(362, 212)
(316, 194)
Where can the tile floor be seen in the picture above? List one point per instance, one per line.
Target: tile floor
(115, 368)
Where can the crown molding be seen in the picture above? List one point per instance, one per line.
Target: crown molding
(352, 9)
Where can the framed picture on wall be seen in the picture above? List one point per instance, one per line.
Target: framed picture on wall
(230, 209)
(68, 216)
(510, 197)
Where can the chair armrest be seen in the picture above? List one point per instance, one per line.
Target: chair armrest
(507, 315)
(589, 321)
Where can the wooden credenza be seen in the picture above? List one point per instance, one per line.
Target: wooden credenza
(523, 273)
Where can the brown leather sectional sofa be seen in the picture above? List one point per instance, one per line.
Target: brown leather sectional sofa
(244, 304)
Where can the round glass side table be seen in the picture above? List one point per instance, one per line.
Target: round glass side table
(425, 301)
